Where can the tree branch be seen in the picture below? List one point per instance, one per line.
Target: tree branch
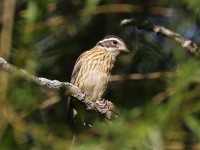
(187, 44)
(104, 107)
(139, 76)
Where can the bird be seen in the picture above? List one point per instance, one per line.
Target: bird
(92, 70)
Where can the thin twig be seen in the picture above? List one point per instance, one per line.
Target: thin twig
(186, 44)
(138, 76)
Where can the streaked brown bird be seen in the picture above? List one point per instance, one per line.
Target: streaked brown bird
(93, 68)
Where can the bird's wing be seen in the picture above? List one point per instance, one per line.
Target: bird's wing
(78, 65)
(70, 113)
(76, 70)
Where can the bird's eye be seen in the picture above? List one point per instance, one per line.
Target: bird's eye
(114, 42)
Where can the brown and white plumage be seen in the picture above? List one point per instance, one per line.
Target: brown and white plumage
(93, 68)
(92, 72)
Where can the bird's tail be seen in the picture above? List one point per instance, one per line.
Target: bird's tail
(70, 113)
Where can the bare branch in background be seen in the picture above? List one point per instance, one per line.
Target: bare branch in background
(139, 76)
(186, 44)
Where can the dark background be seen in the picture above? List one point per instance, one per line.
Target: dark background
(47, 38)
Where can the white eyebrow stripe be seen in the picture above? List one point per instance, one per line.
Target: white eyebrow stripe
(110, 39)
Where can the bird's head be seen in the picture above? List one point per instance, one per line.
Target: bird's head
(113, 44)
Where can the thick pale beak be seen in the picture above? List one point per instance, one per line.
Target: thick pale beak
(124, 49)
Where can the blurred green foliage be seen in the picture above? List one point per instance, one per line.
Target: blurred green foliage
(49, 35)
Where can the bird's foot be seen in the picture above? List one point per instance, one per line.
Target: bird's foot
(107, 108)
(102, 105)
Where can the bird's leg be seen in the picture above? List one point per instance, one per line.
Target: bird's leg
(85, 94)
(81, 96)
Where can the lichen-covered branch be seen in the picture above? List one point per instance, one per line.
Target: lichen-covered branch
(187, 44)
(106, 108)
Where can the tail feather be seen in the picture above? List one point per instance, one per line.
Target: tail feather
(70, 113)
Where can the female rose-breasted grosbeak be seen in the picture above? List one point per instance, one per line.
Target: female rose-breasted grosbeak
(93, 68)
